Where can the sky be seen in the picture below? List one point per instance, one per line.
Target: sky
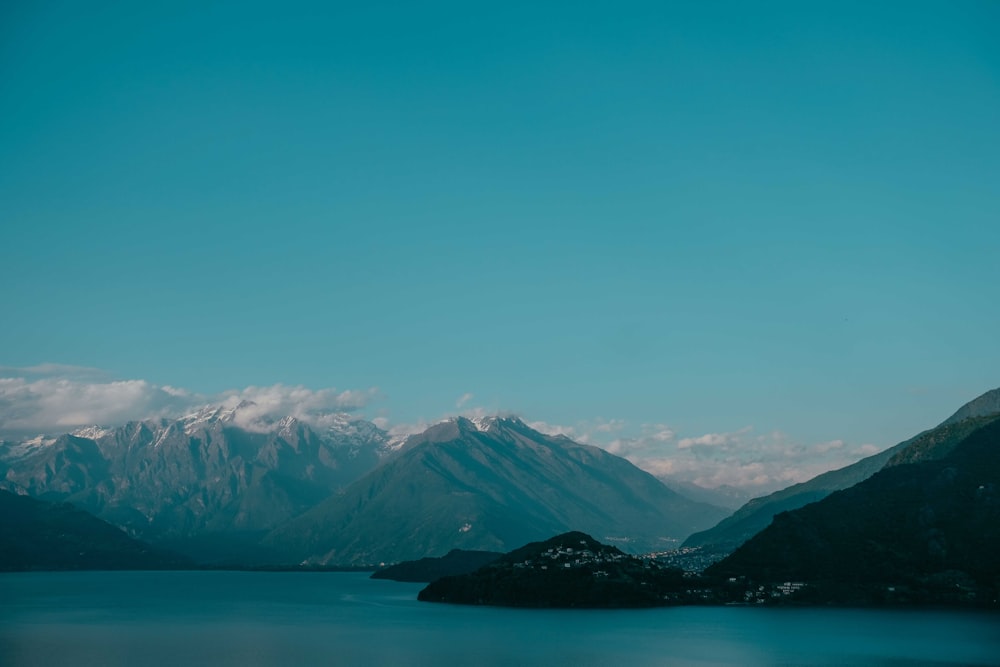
(735, 241)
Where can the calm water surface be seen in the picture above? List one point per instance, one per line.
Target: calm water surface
(268, 619)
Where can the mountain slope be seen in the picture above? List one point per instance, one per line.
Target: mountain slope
(489, 485)
(757, 514)
(36, 535)
(931, 524)
(206, 484)
(982, 406)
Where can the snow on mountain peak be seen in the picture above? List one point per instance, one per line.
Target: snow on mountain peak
(92, 432)
(19, 450)
(205, 415)
(488, 423)
(483, 424)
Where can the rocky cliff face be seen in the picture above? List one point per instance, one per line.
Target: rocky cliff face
(187, 482)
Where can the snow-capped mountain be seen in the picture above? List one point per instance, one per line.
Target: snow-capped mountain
(196, 482)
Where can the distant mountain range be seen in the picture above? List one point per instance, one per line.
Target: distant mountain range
(758, 513)
(220, 488)
(206, 484)
(490, 484)
(224, 489)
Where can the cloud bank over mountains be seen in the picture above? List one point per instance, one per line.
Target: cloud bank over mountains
(55, 398)
(758, 462)
(31, 403)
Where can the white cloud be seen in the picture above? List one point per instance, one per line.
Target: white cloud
(609, 426)
(463, 399)
(659, 432)
(867, 450)
(584, 432)
(759, 463)
(553, 429)
(319, 407)
(756, 462)
(53, 405)
(824, 447)
(713, 439)
(56, 405)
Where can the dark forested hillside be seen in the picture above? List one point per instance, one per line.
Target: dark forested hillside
(37, 535)
(928, 525)
(757, 514)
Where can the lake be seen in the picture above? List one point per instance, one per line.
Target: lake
(266, 619)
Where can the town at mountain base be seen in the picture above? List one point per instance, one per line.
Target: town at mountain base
(569, 570)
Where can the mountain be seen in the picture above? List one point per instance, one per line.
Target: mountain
(37, 535)
(426, 570)
(926, 528)
(210, 484)
(569, 570)
(489, 484)
(983, 406)
(757, 514)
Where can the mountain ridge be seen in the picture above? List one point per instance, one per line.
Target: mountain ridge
(926, 530)
(487, 487)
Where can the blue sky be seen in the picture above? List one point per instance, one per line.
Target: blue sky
(714, 216)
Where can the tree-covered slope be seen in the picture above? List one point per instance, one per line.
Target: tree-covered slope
(569, 570)
(758, 513)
